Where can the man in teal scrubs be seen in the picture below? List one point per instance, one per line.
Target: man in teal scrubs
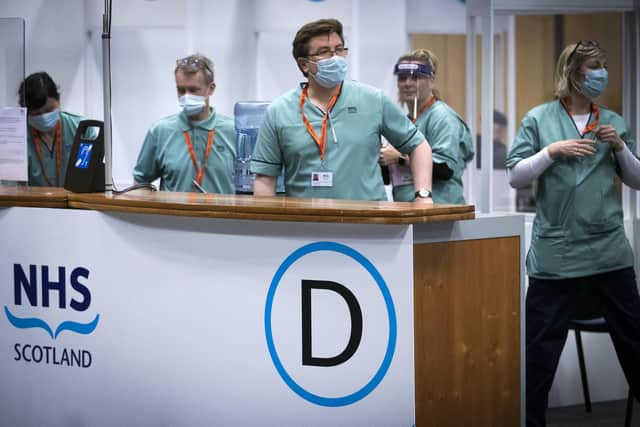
(192, 150)
(50, 131)
(327, 133)
(575, 148)
(447, 133)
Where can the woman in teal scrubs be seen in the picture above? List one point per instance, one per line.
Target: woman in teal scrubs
(575, 148)
(50, 131)
(447, 133)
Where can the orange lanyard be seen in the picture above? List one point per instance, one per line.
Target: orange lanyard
(426, 105)
(192, 153)
(596, 117)
(322, 141)
(58, 146)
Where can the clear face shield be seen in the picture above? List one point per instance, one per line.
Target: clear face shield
(411, 70)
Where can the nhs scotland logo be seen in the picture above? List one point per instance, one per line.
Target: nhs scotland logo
(330, 324)
(42, 293)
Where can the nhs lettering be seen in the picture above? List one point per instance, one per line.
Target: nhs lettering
(48, 283)
(38, 290)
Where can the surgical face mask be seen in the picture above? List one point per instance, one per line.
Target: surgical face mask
(191, 105)
(44, 122)
(595, 82)
(331, 71)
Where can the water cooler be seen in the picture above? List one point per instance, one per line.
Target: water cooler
(248, 118)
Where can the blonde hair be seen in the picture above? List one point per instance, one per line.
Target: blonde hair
(568, 75)
(424, 56)
(193, 63)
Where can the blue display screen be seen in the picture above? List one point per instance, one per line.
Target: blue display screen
(84, 155)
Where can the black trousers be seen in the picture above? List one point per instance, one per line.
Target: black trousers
(548, 307)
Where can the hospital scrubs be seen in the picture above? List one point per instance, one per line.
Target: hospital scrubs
(69, 124)
(361, 115)
(451, 144)
(165, 154)
(578, 242)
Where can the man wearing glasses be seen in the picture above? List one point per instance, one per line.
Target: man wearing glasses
(193, 150)
(327, 133)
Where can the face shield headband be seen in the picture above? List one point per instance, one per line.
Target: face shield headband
(406, 68)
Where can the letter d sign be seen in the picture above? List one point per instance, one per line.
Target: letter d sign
(356, 323)
(365, 369)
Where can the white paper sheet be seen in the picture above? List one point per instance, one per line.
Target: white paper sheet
(13, 144)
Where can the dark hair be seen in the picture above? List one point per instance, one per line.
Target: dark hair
(35, 90)
(499, 118)
(311, 30)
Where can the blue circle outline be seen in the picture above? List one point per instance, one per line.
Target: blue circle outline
(386, 362)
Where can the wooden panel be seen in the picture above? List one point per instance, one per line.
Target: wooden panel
(535, 62)
(271, 208)
(451, 76)
(467, 328)
(451, 79)
(606, 28)
(43, 197)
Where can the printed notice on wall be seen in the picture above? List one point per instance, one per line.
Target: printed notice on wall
(13, 144)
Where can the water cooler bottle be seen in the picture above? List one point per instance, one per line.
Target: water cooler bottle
(248, 118)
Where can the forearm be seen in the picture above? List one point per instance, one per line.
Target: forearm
(527, 170)
(264, 185)
(629, 167)
(422, 166)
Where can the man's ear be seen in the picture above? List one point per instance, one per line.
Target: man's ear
(212, 88)
(303, 64)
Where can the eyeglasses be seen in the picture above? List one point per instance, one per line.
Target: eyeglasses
(585, 44)
(190, 61)
(325, 52)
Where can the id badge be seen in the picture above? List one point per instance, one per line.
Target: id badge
(400, 175)
(322, 179)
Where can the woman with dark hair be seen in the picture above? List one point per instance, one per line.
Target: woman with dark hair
(575, 148)
(50, 131)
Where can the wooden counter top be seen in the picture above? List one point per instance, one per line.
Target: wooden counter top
(43, 197)
(270, 208)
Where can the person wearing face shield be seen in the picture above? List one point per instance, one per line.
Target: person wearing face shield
(575, 148)
(448, 135)
(194, 149)
(327, 132)
(50, 131)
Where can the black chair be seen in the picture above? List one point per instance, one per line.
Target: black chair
(587, 317)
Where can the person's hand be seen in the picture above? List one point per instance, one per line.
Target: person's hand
(388, 154)
(608, 134)
(423, 201)
(572, 148)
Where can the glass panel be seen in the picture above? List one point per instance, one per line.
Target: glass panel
(13, 155)
(11, 60)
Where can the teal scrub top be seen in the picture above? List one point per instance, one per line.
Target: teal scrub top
(578, 229)
(69, 125)
(451, 144)
(360, 116)
(165, 155)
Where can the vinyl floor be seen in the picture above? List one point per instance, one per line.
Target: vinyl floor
(603, 414)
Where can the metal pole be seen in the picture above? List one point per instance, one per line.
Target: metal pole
(486, 169)
(471, 98)
(106, 85)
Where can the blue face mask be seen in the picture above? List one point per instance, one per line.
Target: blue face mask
(331, 71)
(595, 82)
(44, 122)
(191, 105)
